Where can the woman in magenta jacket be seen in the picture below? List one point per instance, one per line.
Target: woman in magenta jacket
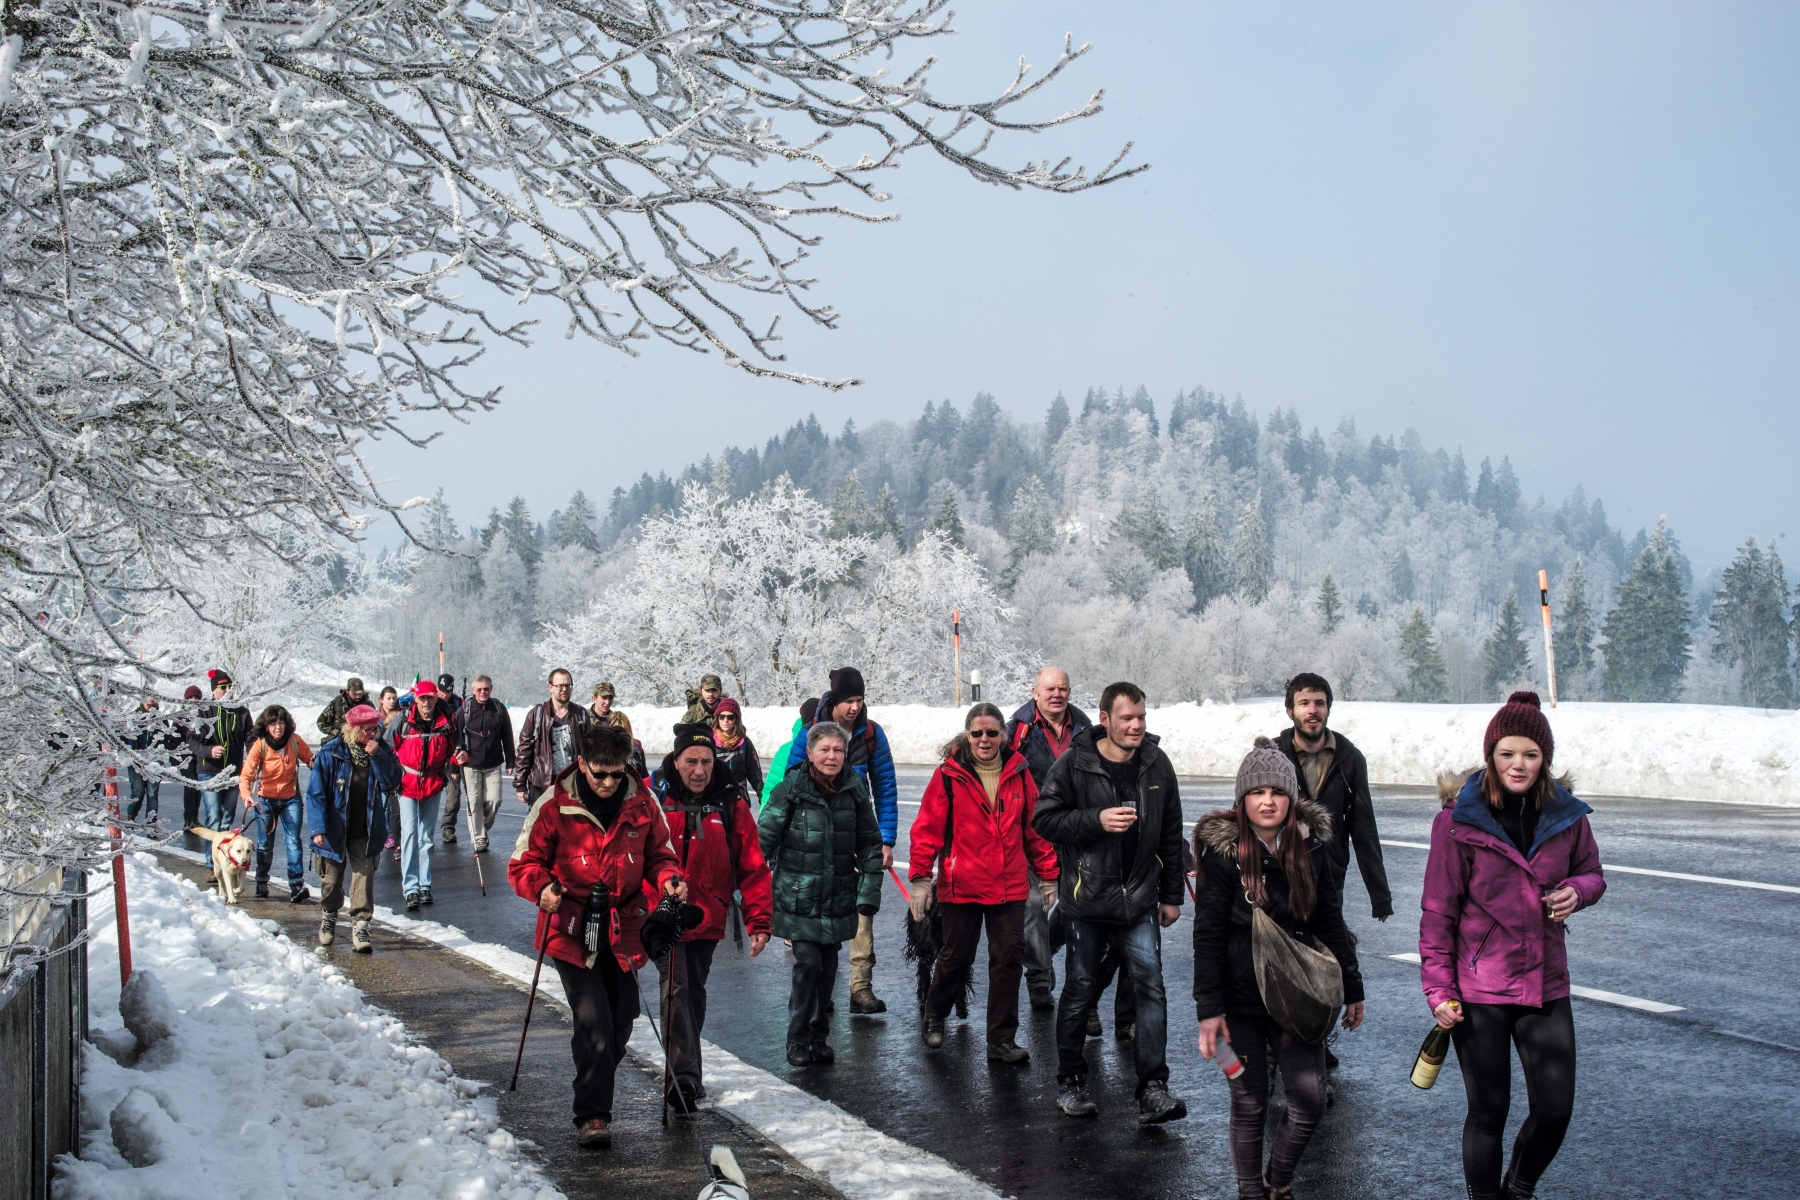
(974, 827)
(1512, 857)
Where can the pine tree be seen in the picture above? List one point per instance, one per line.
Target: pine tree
(1750, 620)
(1503, 656)
(848, 441)
(885, 519)
(1575, 635)
(1030, 525)
(520, 533)
(437, 528)
(1484, 488)
(849, 516)
(1250, 560)
(948, 521)
(1647, 640)
(1506, 493)
(492, 529)
(1427, 679)
(1330, 604)
(1401, 577)
(1146, 526)
(1056, 421)
(1203, 552)
(575, 525)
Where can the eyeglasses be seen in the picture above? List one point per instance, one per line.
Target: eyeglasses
(615, 776)
(984, 733)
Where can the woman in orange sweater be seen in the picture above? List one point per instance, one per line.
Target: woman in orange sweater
(270, 787)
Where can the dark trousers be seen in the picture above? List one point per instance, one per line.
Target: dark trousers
(1545, 1038)
(1256, 1040)
(190, 797)
(815, 975)
(1138, 944)
(962, 925)
(143, 795)
(684, 970)
(604, 1002)
(1124, 999)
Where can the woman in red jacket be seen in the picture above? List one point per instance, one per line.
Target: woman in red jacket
(596, 843)
(974, 827)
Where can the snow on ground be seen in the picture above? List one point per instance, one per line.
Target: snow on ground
(258, 1069)
(1657, 751)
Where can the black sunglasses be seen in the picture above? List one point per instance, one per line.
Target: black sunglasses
(984, 733)
(615, 776)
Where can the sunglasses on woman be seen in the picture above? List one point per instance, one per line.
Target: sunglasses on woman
(984, 733)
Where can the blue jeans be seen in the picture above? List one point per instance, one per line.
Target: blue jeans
(418, 822)
(217, 808)
(143, 796)
(1140, 945)
(270, 816)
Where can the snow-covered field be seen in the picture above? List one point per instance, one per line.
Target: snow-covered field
(1658, 751)
(252, 1068)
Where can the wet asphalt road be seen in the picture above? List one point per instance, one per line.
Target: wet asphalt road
(1668, 1104)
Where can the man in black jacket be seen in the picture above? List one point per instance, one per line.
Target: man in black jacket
(484, 745)
(1335, 774)
(1042, 731)
(1112, 807)
(217, 740)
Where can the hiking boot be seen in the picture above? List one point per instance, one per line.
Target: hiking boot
(299, 895)
(593, 1134)
(1093, 1023)
(1008, 1052)
(799, 1054)
(934, 1032)
(481, 847)
(1073, 1099)
(684, 1098)
(1156, 1105)
(822, 1053)
(359, 938)
(1042, 999)
(1125, 1032)
(449, 839)
(262, 890)
(424, 895)
(1512, 1189)
(327, 928)
(412, 902)
(866, 1003)
(1278, 1193)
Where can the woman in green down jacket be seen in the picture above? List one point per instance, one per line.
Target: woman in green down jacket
(821, 841)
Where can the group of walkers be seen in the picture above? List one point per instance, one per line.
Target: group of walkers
(1047, 830)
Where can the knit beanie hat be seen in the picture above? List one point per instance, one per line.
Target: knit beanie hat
(193, 692)
(846, 682)
(1267, 766)
(693, 734)
(728, 705)
(1521, 716)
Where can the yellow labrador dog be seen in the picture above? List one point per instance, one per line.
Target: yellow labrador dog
(233, 859)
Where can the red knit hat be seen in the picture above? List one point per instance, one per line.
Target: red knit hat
(1521, 716)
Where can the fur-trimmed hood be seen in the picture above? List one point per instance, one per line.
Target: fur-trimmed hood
(1218, 831)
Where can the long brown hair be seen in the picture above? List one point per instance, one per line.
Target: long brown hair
(1494, 792)
(1291, 853)
(269, 716)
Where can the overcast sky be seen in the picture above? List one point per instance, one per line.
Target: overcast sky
(1562, 232)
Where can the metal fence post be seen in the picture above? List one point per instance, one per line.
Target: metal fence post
(40, 1080)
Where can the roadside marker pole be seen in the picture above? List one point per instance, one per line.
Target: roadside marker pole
(1549, 645)
(956, 642)
(118, 869)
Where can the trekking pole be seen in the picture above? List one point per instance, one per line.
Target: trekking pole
(530, 998)
(479, 877)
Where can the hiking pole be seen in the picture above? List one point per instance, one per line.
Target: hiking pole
(479, 877)
(531, 998)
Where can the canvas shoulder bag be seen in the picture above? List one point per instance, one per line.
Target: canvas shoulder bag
(1302, 986)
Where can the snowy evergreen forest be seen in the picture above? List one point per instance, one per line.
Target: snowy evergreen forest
(1205, 552)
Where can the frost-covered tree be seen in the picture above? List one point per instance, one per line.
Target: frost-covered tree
(1250, 562)
(1575, 633)
(884, 519)
(849, 515)
(1504, 659)
(1146, 526)
(577, 524)
(1749, 621)
(1030, 523)
(1056, 420)
(1426, 678)
(1204, 553)
(948, 520)
(1330, 604)
(1646, 634)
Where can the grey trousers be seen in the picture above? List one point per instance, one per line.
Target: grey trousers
(1040, 960)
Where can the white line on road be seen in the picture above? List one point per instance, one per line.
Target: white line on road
(1743, 883)
(1588, 993)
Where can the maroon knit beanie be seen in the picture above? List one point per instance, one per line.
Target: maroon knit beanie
(1521, 716)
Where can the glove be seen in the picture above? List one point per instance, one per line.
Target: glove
(866, 910)
(665, 925)
(920, 904)
(1047, 892)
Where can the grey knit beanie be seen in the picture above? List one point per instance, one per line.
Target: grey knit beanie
(1267, 766)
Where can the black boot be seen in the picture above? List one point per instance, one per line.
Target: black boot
(1512, 1189)
(799, 1054)
(1476, 1194)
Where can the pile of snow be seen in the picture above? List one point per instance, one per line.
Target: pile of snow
(246, 1064)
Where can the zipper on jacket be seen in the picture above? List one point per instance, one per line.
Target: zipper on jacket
(1482, 944)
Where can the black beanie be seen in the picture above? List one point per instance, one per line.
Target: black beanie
(808, 707)
(692, 735)
(845, 683)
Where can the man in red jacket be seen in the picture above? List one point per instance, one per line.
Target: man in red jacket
(593, 856)
(713, 830)
(424, 741)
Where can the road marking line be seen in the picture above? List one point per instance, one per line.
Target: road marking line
(1744, 1037)
(1743, 883)
(1588, 993)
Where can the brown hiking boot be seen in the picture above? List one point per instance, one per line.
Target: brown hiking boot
(593, 1132)
(866, 1002)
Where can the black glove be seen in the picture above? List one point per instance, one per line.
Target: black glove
(665, 925)
(866, 910)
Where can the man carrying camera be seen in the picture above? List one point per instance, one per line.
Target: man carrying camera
(594, 852)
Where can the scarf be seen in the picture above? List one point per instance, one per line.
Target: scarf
(604, 810)
(828, 785)
(359, 756)
(728, 743)
(281, 746)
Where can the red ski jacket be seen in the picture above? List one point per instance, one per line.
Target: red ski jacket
(981, 853)
(423, 754)
(720, 854)
(563, 840)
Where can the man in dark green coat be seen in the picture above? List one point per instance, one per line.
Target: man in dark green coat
(823, 846)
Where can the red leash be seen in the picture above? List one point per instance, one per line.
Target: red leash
(901, 886)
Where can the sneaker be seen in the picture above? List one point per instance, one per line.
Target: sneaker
(799, 1054)
(1283, 1193)
(481, 847)
(1073, 1099)
(1093, 1023)
(412, 902)
(1125, 1032)
(822, 1054)
(866, 1002)
(1156, 1105)
(1042, 1000)
(934, 1032)
(449, 839)
(359, 938)
(684, 1100)
(1008, 1052)
(393, 843)
(262, 891)
(299, 895)
(593, 1133)
(327, 928)
(424, 895)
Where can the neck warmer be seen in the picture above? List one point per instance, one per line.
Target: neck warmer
(827, 784)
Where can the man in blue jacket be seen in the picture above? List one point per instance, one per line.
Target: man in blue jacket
(351, 774)
(868, 753)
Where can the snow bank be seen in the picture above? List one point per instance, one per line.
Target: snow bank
(251, 1066)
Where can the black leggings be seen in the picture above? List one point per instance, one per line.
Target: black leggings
(1256, 1039)
(1546, 1041)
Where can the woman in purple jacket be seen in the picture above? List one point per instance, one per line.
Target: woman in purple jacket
(1512, 857)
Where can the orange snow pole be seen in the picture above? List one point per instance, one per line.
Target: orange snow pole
(1549, 645)
(956, 641)
(118, 869)
(440, 652)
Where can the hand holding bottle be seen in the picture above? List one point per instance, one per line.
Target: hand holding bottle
(1448, 1014)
